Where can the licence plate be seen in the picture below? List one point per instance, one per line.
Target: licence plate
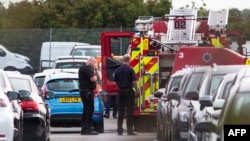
(69, 99)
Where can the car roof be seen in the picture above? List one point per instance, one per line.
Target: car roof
(86, 46)
(60, 75)
(71, 57)
(224, 69)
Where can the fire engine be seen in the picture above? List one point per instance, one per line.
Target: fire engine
(161, 46)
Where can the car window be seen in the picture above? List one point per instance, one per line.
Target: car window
(226, 90)
(215, 82)
(2, 85)
(20, 84)
(193, 82)
(39, 81)
(87, 52)
(239, 110)
(64, 65)
(63, 84)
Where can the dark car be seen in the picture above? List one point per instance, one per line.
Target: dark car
(180, 111)
(6, 87)
(163, 104)
(234, 112)
(36, 116)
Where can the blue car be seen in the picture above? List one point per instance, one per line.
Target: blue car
(66, 106)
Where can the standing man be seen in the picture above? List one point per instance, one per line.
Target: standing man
(88, 76)
(125, 78)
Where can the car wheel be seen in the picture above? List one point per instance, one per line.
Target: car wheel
(99, 127)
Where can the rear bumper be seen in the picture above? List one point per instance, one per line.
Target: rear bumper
(35, 124)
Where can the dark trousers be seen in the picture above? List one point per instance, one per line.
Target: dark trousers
(126, 103)
(87, 97)
(112, 101)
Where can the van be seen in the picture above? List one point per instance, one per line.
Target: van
(14, 62)
(50, 50)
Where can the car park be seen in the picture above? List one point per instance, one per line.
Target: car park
(7, 127)
(234, 112)
(36, 116)
(6, 87)
(66, 106)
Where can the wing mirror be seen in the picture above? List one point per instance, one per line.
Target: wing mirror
(13, 95)
(24, 93)
(49, 95)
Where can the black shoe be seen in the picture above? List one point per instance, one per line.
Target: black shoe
(90, 133)
(132, 134)
(119, 134)
(106, 116)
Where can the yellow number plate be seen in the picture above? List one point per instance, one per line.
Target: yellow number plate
(69, 99)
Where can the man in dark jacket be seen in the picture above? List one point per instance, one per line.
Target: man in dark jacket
(87, 84)
(125, 79)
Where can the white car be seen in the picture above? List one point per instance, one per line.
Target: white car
(69, 62)
(6, 120)
(86, 50)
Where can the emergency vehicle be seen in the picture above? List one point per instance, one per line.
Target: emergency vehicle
(160, 47)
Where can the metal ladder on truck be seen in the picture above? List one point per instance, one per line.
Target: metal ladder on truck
(217, 22)
(181, 27)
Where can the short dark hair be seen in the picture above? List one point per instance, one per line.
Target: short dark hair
(126, 58)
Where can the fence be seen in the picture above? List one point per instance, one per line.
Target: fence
(29, 41)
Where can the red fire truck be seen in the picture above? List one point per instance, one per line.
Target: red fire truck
(159, 48)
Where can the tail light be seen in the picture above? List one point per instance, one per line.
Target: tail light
(29, 105)
(2, 103)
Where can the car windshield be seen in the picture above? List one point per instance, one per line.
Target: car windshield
(239, 110)
(173, 82)
(66, 84)
(94, 52)
(20, 84)
(193, 82)
(68, 65)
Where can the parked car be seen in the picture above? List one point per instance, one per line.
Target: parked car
(50, 50)
(69, 62)
(6, 87)
(207, 87)
(163, 104)
(36, 116)
(40, 76)
(7, 127)
(86, 50)
(14, 62)
(182, 108)
(234, 112)
(66, 106)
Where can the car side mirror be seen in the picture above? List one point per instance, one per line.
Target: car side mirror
(192, 95)
(206, 126)
(218, 104)
(158, 94)
(49, 95)
(173, 96)
(206, 100)
(13, 95)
